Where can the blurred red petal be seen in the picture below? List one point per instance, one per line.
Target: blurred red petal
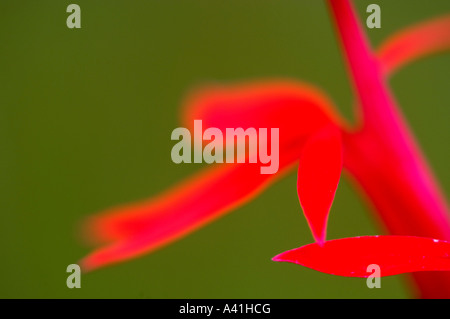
(394, 255)
(415, 42)
(140, 228)
(297, 109)
(143, 227)
(318, 177)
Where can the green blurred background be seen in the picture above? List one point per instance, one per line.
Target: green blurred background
(85, 122)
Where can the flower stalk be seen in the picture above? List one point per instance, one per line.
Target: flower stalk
(400, 186)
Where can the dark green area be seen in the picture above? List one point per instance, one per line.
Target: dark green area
(85, 123)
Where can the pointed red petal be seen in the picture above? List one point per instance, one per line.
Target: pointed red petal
(318, 177)
(394, 255)
(415, 42)
(295, 109)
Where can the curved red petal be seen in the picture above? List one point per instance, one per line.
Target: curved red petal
(144, 227)
(351, 257)
(318, 177)
(415, 42)
(140, 228)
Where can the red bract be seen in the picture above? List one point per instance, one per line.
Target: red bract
(379, 153)
(319, 171)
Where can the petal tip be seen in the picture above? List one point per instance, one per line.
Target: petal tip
(320, 241)
(278, 258)
(85, 266)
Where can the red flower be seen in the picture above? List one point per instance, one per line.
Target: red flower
(379, 153)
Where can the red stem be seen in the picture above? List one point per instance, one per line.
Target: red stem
(384, 157)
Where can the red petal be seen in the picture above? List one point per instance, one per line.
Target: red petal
(318, 177)
(394, 255)
(144, 227)
(415, 42)
(296, 110)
